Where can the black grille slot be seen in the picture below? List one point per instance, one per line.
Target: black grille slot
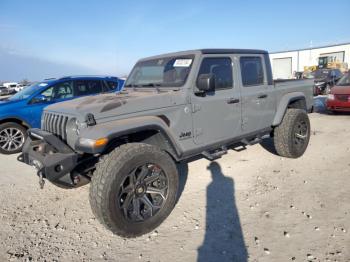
(55, 124)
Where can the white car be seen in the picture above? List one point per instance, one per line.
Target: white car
(11, 87)
(19, 87)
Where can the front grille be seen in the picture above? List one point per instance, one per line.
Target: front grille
(55, 124)
(344, 98)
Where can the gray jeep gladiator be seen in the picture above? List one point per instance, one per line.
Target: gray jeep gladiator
(174, 107)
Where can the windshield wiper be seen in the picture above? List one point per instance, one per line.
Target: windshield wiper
(151, 85)
(156, 85)
(131, 85)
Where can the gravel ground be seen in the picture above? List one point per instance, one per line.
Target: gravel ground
(250, 205)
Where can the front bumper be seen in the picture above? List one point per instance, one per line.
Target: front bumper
(336, 105)
(52, 158)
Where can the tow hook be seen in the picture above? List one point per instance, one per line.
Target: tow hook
(41, 180)
(38, 166)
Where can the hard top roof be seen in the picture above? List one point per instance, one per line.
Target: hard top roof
(209, 51)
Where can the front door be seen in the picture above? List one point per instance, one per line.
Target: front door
(216, 114)
(58, 93)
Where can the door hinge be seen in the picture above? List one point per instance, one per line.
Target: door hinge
(244, 123)
(195, 108)
(198, 132)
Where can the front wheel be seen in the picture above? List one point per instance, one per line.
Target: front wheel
(12, 138)
(292, 136)
(134, 189)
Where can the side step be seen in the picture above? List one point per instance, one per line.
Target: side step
(215, 154)
(254, 141)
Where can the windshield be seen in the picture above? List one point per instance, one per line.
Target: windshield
(27, 92)
(344, 81)
(321, 73)
(162, 72)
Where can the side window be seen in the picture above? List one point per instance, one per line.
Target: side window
(252, 71)
(95, 86)
(87, 87)
(63, 90)
(221, 68)
(81, 87)
(48, 93)
(111, 85)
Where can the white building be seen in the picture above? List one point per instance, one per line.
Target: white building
(286, 62)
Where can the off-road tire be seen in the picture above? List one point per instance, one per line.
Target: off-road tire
(13, 126)
(285, 134)
(110, 173)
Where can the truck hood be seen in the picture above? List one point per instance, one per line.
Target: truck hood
(124, 103)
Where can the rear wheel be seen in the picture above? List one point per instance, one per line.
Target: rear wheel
(12, 138)
(134, 189)
(292, 136)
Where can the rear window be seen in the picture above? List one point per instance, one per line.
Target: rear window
(321, 73)
(252, 71)
(87, 87)
(112, 85)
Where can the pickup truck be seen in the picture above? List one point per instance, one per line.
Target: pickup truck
(175, 107)
(23, 110)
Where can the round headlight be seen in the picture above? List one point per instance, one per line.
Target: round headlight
(76, 127)
(73, 125)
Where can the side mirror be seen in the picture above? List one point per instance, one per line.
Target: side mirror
(39, 99)
(206, 82)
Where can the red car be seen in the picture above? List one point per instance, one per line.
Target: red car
(339, 96)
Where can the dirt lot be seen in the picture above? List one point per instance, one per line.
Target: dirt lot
(251, 205)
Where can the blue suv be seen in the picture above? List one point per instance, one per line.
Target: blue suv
(23, 110)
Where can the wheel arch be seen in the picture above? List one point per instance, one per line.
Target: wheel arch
(295, 100)
(151, 130)
(15, 120)
(148, 135)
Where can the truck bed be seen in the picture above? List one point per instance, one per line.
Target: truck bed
(304, 86)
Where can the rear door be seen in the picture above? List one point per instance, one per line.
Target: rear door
(258, 102)
(216, 114)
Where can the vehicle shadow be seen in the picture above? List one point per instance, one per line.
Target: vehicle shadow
(223, 239)
(182, 168)
(269, 146)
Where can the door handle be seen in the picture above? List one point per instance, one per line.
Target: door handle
(262, 96)
(233, 101)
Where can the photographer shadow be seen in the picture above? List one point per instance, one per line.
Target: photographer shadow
(223, 239)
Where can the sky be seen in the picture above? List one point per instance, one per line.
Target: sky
(40, 39)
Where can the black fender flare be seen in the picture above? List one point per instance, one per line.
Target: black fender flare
(285, 101)
(124, 127)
